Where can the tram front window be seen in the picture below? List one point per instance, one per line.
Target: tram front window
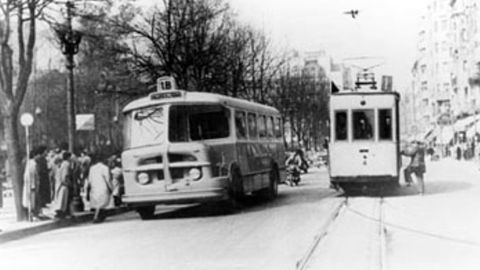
(385, 124)
(340, 125)
(362, 124)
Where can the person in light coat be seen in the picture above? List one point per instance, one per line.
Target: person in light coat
(98, 187)
(30, 187)
(63, 185)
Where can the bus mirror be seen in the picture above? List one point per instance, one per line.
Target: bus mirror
(166, 83)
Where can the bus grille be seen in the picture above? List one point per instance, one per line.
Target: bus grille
(152, 160)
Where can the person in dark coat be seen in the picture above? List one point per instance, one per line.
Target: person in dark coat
(44, 196)
(417, 164)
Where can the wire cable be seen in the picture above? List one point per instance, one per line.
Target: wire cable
(423, 233)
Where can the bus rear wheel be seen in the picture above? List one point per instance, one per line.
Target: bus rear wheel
(271, 192)
(146, 212)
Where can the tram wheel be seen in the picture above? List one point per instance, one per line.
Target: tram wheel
(146, 212)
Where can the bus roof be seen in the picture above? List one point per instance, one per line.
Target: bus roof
(183, 97)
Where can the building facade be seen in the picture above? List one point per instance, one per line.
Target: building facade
(446, 66)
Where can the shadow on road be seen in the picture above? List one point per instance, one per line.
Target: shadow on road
(288, 196)
(431, 188)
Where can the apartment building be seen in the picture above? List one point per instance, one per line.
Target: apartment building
(445, 73)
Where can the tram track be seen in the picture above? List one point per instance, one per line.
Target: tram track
(330, 231)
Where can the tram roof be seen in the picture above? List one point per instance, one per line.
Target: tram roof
(365, 93)
(185, 97)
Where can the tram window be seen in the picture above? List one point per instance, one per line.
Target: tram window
(385, 124)
(240, 125)
(252, 125)
(270, 127)
(262, 131)
(340, 125)
(277, 127)
(362, 124)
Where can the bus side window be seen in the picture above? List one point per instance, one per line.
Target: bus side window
(252, 126)
(262, 131)
(277, 126)
(340, 125)
(270, 127)
(240, 125)
(385, 124)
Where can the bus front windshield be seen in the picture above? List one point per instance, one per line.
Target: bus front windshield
(147, 126)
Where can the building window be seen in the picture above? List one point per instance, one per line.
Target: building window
(444, 25)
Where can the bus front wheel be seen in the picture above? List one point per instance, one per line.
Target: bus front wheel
(236, 192)
(146, 212)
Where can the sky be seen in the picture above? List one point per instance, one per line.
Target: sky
(384, 29)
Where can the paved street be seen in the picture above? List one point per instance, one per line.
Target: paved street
(262, 236)
(436, 231)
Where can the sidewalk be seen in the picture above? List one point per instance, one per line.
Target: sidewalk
(11, 229)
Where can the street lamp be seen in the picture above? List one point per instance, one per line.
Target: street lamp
(27, 120)
(70, 41)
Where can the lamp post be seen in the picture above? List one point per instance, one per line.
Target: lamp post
(70, 41)
(27, 120)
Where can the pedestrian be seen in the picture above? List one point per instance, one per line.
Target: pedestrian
(30, 186)
(64, 187)
(417, 164)
(98, 187)
(117, 182)
(293, 163)
(44, 196)
(52, 158)
(54, 174)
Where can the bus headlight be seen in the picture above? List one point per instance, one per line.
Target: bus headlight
(195, 173)
(143, 178)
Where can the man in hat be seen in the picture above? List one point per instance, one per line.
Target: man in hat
(417, 164)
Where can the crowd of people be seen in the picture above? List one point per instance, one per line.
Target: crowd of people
(54, 177)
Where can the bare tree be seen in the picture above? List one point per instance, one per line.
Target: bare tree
(17, 22)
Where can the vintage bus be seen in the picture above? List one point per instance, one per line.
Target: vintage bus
(189, 147)
(364, 149)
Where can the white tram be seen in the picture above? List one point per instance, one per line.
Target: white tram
(364, 148)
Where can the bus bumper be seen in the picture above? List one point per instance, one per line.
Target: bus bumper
(176, 197)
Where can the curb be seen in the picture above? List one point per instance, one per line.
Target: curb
(56, 224)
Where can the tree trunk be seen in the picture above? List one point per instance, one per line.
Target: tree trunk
(15, 161)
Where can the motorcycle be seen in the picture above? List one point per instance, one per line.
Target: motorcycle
(293, 175)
